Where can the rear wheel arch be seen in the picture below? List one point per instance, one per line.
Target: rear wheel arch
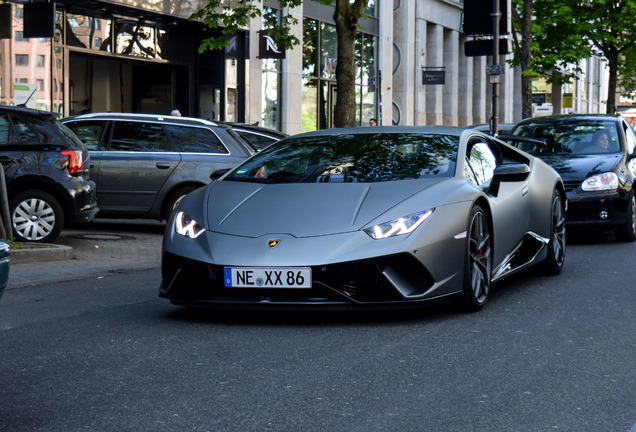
(174, 195)
(56, 191)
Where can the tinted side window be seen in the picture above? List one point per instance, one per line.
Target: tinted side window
(26, 135)
(256, 140)
(138, 136)
(5, 128)
(90, 132)
(196, 139)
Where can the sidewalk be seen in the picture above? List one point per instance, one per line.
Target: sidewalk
(102, 246)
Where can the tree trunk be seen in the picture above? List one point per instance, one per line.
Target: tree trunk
(346, 17)
(611, 85)
(526, 44)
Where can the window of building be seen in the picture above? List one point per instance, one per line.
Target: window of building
(19, 36)
(271, 84)
(320, 50)
(39, 84)
(41, 59)
(21, 59)
(135, 39)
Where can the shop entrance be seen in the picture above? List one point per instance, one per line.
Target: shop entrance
(98, 84)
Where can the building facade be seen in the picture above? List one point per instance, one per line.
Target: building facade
(142, 56)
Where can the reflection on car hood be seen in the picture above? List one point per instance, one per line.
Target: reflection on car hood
(303, 210)
(579, 167)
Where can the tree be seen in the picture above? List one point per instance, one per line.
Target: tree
(232, 16)
(567, 31)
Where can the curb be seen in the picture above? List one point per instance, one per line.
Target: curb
(40, 252)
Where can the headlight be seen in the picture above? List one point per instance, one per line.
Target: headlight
(601, 182)
(186, 226)
(403, 225)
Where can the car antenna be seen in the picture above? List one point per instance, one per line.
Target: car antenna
(23, 104)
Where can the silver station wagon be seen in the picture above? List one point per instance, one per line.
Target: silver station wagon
(144, 163)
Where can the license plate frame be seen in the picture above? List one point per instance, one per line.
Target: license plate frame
(267, 277)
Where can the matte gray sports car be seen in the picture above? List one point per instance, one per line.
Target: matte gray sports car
(363, 218)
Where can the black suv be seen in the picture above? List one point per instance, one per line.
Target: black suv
(144, 163)
(46, 172)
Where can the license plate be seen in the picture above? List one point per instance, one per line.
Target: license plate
(264, 277)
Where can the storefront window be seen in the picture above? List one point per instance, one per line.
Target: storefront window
(309, 104)
(328, 51)
(135, 39)
(319, 76)
(271, 117)
(85, 32)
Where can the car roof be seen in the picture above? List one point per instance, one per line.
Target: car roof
(444, 130)
(141, 117)
(255, 128)
(556, 117)
(43, 115)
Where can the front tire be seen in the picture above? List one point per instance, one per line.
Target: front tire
(553, 264)
(627, 233)
(36, 216)
(477, 262)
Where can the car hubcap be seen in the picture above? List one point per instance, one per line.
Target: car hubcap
(33, 219)
(479, 253)
(558, 235)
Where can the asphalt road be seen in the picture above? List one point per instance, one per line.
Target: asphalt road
(104, 353)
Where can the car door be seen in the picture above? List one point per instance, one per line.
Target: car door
(203, 151)
(138, 161)
(510, 206)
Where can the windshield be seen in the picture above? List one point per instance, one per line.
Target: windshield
(368, 158)
(568, 136)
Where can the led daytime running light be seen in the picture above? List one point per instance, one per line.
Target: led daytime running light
(186, 226)
(403, 225)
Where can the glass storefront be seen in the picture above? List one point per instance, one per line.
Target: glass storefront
(271, 80)
(320, 45)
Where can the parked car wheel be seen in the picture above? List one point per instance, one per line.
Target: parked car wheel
(36, 216)
(627, 233)
(478, 262)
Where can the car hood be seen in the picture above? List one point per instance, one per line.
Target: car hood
(580, 167)
(303, 210)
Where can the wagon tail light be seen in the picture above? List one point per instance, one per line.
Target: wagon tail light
(73, 161)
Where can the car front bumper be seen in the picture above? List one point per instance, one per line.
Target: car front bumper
(597, 210)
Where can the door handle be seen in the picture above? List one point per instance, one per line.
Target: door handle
(163, 165)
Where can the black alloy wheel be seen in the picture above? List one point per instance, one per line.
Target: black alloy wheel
(627, 233)
(553, 264)
(478, 261)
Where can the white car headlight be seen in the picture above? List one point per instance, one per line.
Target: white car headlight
(403, 225)
(186, 226)
(601, 182)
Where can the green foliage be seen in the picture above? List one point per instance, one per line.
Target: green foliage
(231, 16)
(566, 31)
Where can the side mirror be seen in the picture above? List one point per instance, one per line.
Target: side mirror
(508, 173)
(218, 174)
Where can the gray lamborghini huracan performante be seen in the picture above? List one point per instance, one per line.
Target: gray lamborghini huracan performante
(363, 218)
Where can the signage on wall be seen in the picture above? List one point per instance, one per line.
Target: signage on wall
(267, 47)
(434, 75)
